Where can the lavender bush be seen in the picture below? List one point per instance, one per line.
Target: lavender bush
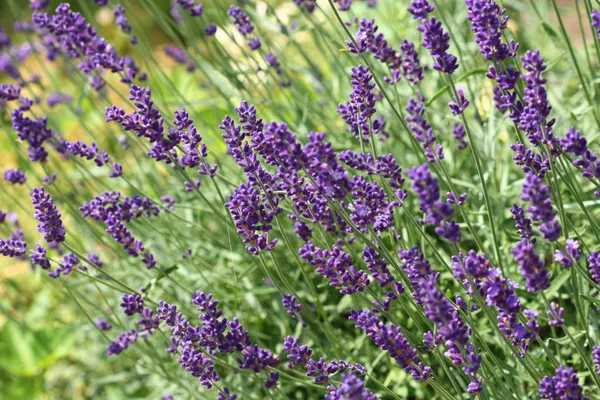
(337, 199)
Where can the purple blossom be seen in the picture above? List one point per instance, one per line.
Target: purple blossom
(79, 40)
(458, 104)
(555, 315)
(358, 111)
(12, 248)
(103, 325)
(337, 266)
(576, 144)
(34, 132)
(114, 210)
(434, 38)
(252, 218)
(570, 255)
(596, 21)
(411, 67)
(529, 161)
(350, 388)
(38, 5)
(437, 212)
(536, 109)
(66, 266)
(594, 265)
(421, 128)
(123, 23)
(390, 338)
(38, 257)
(532, 266)
(49, 219)
(562, 386)
(15, 176)
(55, 99)
(210, 29)
(538, 195)
(459, 134)
(292, 305)
(310, 5)
(522, 223)
(122, 342)
(132, 303)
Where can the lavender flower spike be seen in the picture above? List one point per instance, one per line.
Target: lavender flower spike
(50, 223)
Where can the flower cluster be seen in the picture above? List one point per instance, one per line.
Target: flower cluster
(15, 176)
(350, 388)
(115, 210)
(563, 385)
(390, 338)
(475, 269)
(540, 209)
(91, 152)
(358, 112)
(421, 128)
(434, 38)
(437, 212)
(320, 370)
(79, 39)
(12, 248)
(46, 213)
(123, 23)
(244, 26)
(337, 266)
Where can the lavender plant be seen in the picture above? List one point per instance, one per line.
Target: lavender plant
(301, 199)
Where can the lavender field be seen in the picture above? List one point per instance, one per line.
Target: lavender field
(300, 199)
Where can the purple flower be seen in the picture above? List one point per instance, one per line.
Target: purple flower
(80, 40)
(103, 325)
(122, 342)
(594, 265)
(358, 111)
(292, 305)
(596, 21)
(562, 386)
(132, 303)
(576, 144)
(47, 215)
(459, 134)
(12, 248)
(55, 99)
(350, 388)
(123, 23)
(252, 218)
(532, 266)
(536, 109)
(538, 195)
(420, 127)
(458, 105)
(210, 30)
(437, 212)
(114, 211)
(411, 67)
(555, 315)
(38, 257)
(530, 161)
(390, 338)
(15, 176)
(434, 38)
(522, 223)
(310, 5)
(34, 132)
(38, 5)
(488, 21)
(570, 255)
(254, 43)
(241, 20)
(336, 266)
(69, 262)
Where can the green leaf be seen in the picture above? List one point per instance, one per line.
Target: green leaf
(558, 283)
(476, 71)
